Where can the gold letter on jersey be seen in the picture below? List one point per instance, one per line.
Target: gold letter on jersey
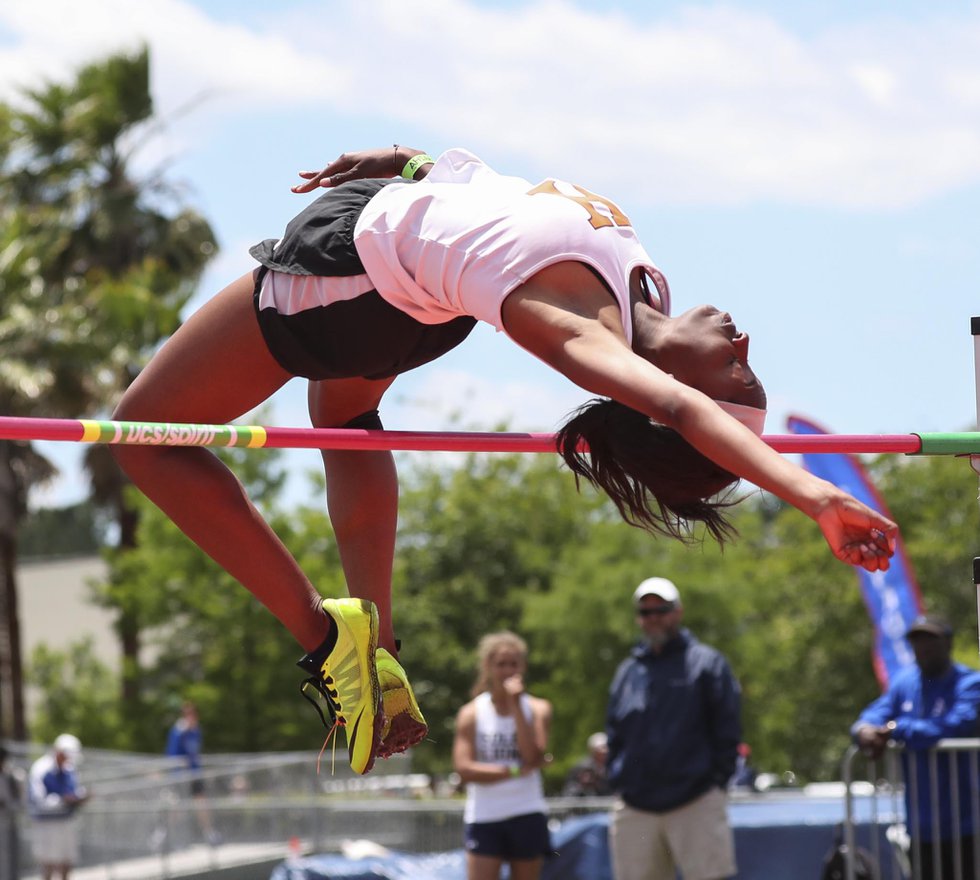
(590, 201)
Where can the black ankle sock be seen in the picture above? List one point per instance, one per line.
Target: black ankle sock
(327, 645)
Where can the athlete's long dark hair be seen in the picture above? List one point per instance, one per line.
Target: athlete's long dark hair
(656, 479)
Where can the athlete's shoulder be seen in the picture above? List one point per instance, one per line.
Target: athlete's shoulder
(466, 714)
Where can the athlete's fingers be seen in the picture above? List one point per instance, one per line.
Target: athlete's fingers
(328, 176)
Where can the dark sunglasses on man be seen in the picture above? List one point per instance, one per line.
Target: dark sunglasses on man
(656, 611)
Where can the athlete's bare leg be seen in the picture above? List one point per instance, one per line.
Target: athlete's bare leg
(526, 869)
(483, 867)
(362, 496)
(215, 369)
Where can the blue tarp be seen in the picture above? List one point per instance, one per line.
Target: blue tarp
(397, 866)
(781, 840)
(583, 854)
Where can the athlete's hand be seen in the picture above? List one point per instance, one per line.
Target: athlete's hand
(380, 162)
(857, 534)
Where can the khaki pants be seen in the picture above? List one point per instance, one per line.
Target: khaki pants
(694, 838)
(55, 840)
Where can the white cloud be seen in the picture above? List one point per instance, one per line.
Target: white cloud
(713, 105)
(192, 53)
(878, 83)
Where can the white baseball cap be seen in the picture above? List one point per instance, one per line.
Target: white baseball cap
(598, 740)
(68, 744)
(657, 586)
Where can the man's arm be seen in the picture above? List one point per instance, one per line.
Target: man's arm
(959, 721)
(878, 712)
(614, 732)
(871, 731)
(725, 721)
(173, 748)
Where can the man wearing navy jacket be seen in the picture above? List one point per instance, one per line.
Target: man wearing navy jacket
(674, 726)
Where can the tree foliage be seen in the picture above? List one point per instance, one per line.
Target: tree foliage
(476, 543)
(495, 542)
(96, 262)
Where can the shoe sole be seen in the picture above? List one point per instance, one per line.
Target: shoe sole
(404, 733)
(406, 727)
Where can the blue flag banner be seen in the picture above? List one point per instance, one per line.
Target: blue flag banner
(892, 597)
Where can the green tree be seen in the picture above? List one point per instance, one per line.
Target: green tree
(208, 638)
(95, 266)
(94, 711)
(475, 543)
(934, 499)
(494, 542)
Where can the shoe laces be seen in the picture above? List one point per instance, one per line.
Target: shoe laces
(329, 694)
(324, 687)
(331, 735)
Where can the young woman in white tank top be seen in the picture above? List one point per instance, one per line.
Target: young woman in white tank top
(499, 748)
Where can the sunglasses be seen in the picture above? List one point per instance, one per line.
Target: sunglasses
(658, 611)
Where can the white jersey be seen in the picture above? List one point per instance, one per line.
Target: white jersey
(460, 240)
(496, 743)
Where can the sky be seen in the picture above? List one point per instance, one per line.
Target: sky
(811, 167)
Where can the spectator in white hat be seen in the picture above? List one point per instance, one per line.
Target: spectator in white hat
(54, 796)
(588, 777)
(674, 727)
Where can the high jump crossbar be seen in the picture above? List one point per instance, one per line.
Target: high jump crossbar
(259, 437)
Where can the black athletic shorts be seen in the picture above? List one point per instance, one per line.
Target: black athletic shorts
(361, 337)
(520, 837)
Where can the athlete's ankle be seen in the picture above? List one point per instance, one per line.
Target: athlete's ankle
(325, 637)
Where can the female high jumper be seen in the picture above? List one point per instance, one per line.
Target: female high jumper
(384, 273)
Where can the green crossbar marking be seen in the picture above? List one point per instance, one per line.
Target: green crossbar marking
(153, 434)
(172, 434)
(949, 444)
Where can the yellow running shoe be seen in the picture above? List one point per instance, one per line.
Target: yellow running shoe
(404, 725)
(343, 671)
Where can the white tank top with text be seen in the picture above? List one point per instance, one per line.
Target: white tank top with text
(496, 743)
(461, 239)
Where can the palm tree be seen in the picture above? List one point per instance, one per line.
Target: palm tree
(95, 267)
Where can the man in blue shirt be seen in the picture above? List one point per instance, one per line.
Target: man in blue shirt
(184, 741)
(931, 700)
(673, 727)
(54, 795)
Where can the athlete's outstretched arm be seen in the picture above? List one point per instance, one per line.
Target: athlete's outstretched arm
(379, 162)
(579, 334)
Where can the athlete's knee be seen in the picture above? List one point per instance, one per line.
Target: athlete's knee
(133, 458)
(366, 421)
